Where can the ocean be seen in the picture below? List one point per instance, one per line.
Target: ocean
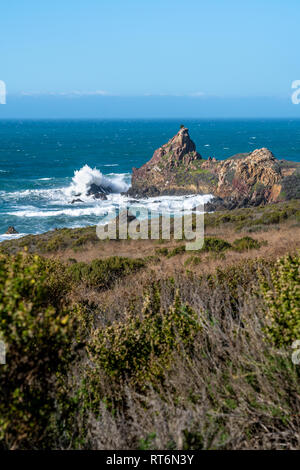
(45, 163)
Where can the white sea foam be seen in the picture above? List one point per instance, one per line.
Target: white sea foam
(54, 202)
(98, 211)
(80, 184)
(86, 176)
(173, 204)
(163, 204)
(7, 236)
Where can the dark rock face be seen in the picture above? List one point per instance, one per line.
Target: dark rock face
(100, 196)
(11, 231)
(76, 200)
(97, 191)
(245, 179)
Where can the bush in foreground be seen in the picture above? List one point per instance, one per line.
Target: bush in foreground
(37, 326)
(282, 297)
(141, 348)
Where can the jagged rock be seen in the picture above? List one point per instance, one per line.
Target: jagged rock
(97, 190)
(76, 200)
(11, 230)
(179, 149)
(245, 179)
(179, 153)
(100, 196)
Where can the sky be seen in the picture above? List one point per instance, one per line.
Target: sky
(149, 58)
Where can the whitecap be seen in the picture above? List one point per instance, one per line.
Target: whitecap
(86, 176)
(98, 211)
(163, 204)
(12, 236)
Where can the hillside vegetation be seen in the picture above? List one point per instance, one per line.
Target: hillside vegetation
(143, 345)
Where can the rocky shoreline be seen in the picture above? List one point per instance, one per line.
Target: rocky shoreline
(243, 180)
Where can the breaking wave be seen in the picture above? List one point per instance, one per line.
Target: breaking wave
(86, 176)
(80, 184)
(163, 204)
(65, 202)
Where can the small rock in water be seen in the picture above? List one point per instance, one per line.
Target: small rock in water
(76, 200)
(11, 230)
(95, 189)
(100, 196)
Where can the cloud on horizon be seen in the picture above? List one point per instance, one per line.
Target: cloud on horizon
(73, 93)
(105, 105)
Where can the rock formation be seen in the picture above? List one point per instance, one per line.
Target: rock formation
(167, 161)
(241, 180)
(98, 191)
(11, 230)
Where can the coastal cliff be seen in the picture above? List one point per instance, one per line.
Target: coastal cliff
(246, 179)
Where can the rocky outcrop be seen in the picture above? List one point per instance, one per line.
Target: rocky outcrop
(167, 161)
(98, 191)
(242, 180)
(11, 231)
(179, 149)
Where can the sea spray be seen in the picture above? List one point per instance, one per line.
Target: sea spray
(86, 176)
(39, 209)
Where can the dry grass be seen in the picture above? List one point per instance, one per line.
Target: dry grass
(234, 391)
(279, 242)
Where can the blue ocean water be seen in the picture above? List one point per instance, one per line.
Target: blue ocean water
(38, 160)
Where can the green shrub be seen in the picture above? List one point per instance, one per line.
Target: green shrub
(176, 251)
(102, 273)
(162, 251)
(282, 299)
(233, 281)
(147, 443)
(215, 244)
(37, 327)
(141, 348)
(193, 260)
(246, 243)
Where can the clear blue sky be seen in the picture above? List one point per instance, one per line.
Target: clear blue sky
(213, 49)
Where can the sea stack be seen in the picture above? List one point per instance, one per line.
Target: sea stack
(11, 230)
(245, 179)
(177, 155)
